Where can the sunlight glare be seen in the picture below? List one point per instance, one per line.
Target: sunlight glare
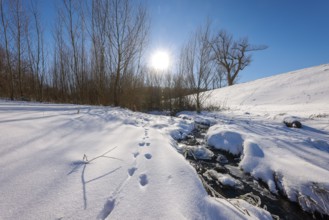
(160, 60)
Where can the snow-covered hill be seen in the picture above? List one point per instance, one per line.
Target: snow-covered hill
(303, 92)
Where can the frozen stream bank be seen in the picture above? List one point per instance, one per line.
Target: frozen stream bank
(220, 172)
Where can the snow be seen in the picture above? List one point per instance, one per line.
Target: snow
(224, 179)
(84, 162)
(199, 151)
(88, 162)
(221, 137)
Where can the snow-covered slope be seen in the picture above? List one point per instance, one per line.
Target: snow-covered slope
(306, 90)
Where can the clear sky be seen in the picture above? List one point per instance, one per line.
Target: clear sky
(296, 31)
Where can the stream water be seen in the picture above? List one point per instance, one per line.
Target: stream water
(244, 186)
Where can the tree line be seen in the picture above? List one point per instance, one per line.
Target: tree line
(98, 57)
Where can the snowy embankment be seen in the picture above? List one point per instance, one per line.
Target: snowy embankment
(303, 93)
(294, 162)
(82, 162)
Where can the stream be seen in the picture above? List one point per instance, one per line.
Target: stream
(219, 172)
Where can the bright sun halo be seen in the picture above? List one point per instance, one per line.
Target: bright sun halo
(160, 60)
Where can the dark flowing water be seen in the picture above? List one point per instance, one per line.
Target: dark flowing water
(248, 188)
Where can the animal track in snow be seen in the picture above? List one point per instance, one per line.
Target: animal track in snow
(135, 154)
(108, 208)
(131, 171)
(148, 144)
(169, 179)
(148, 156)
(142, 144)
(143, 181)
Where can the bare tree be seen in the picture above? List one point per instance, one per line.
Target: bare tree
(99, 16)
(232, 55)
(180, 91)
(71, 20)
(219, 78)
(36, 51)
(62, 81)
(83, 57)
(167, 91)
(197, 64)
(20, 23)
(153, 84)
(5, 29)
(127, 33)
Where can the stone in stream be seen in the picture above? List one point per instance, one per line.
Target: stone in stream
(221, 169)
(221, 159)
(292, 123)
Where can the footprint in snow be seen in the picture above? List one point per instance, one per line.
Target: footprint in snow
(131, 171)
(108, 208)
(135, 154)
(143, 181)
(169, 179)
(142, 144)
(148, 144)
(148, 156)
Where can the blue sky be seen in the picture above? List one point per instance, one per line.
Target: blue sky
(296, 31)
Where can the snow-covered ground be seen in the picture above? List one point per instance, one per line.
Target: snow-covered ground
(84, 162)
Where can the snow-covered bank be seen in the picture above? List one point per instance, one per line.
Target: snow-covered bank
(291, 161)
(133, 170)
(302, 93)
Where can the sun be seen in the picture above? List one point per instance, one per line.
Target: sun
(160, 60)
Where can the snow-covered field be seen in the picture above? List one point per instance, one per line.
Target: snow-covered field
(134, 172)
(84, 162)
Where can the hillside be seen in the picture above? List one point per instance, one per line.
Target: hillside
(291, 92)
